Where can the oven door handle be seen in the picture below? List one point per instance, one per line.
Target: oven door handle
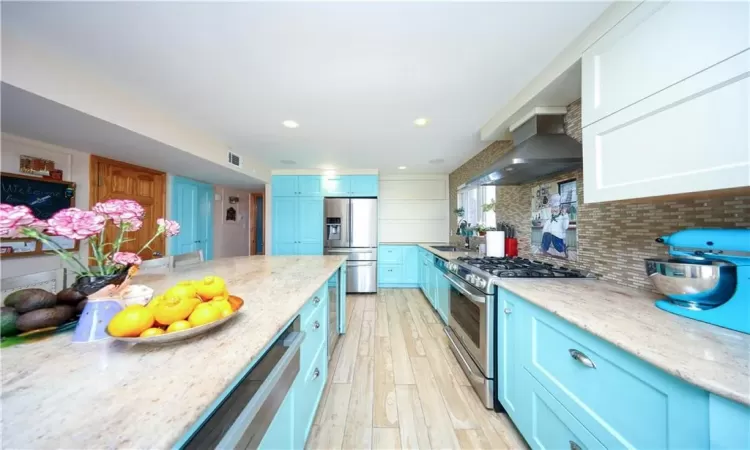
(457, 283)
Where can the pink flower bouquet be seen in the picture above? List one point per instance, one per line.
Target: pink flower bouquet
(77, 224)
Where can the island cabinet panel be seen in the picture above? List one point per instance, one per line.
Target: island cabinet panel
(308, 392)
(622, 401)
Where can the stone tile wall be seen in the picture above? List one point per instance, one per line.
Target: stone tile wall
(613, 237)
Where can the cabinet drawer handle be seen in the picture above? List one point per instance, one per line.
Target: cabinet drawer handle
(316, 300)
(582, 358)
(507, 311)
(316, 373)
(574, 446)
(316, 325)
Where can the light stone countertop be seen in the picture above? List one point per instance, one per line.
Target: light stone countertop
(429, 247)
(108, 394)
(708, 356)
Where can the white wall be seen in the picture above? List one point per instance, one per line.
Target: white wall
(231, 238)
(75, 167)
(48, 75)
(413, 208)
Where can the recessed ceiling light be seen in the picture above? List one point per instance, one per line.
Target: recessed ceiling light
(421, 122)
(401, 167)
(288, 161)
(290, 124)
(437, 161)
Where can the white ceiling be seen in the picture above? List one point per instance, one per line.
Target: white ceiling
(354, 75)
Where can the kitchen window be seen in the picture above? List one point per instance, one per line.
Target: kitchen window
(471, 200)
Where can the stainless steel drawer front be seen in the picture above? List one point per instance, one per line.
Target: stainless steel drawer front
(241, 421)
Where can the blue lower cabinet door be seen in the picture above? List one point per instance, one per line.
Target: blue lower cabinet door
(389, 274)
(279, 435)
(411, 265)
(546, 424)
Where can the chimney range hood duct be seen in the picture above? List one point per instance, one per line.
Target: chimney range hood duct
(541, 148)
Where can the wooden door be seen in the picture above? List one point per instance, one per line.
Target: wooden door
(112, 179)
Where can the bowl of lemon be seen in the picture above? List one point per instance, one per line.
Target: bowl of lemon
(187, 309)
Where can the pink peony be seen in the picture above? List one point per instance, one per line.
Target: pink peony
(74, 223)
(126, 258)
(169, 227)
(134, 224)
(14, 218)
(121, 211)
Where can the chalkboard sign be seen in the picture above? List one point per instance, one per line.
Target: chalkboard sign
(44, 197)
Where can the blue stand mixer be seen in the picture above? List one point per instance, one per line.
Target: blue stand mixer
(707, 276)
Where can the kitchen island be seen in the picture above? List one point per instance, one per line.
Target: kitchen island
(112, 395)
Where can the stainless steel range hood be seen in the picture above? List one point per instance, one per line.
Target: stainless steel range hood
(541, 148)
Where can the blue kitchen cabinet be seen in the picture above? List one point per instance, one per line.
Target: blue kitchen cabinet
(350, 185)
(729, 424)
(363, 185)
(310, 226)
(421, 268)
(277, 435)
(297, 226)
(391, 254)
(444, 296)
(508, 336)
(411, 266)
(296, 186)
(336, 186)
(398, 266)
(561, 384)
(309, 186)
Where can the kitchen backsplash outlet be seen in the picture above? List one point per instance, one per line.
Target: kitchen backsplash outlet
(613, 237)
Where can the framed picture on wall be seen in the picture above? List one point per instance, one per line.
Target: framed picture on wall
(554, 213)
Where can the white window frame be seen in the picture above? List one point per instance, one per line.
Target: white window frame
(473, 213)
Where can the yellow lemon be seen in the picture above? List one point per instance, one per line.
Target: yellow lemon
(172, 309)
(152, 332)
(210, 287)
(203, 314)
(131, 321)
(180, 325)
(185, 289)
(154, 301)
(223, 306)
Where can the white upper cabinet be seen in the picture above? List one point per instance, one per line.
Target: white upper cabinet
(656, 46)
(666, 100)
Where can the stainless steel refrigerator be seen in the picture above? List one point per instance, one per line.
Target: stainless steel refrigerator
(351, 228)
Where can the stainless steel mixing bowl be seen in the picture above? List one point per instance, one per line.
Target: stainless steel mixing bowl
(693, 283)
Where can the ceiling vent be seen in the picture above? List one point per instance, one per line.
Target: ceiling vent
(234, 159)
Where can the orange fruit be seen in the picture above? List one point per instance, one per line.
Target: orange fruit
(203, 314)
(172, 309)
(131, 321)
(236, 302)
(181, 289)
(223, 306)
(210, 287)
(180, 325)
(152, 332)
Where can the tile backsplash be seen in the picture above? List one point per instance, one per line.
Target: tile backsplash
(613, 237)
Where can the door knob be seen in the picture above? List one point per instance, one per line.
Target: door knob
(507, 311)
(157, 254)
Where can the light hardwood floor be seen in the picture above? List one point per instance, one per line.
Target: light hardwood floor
(394, 383)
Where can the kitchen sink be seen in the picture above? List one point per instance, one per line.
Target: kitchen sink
(445, 248)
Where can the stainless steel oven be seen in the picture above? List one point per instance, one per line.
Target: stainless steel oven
(470, 331)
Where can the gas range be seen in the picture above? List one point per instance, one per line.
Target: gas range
(482, 272)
